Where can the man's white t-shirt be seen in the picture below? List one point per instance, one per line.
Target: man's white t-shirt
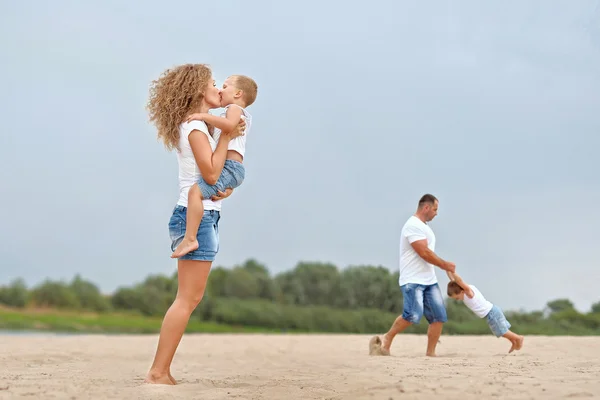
(413, 269)
(189, 173)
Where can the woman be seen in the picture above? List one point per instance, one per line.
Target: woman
(177, 93)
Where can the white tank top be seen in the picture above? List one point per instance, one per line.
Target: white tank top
(478, 304)
(239, 143)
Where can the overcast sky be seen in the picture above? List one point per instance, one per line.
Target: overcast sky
(494, 107)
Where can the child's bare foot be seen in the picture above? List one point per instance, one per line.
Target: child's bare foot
(185, 247)
(431, 354)
(519, 342)
(513, 347)
(156, 379)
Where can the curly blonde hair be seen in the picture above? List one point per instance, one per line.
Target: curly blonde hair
(176, 93)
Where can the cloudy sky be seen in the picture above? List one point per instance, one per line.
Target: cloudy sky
(362, 108)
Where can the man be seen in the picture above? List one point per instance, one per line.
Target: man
(418, 282)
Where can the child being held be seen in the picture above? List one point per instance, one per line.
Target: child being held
(472, 297)
(239, 92)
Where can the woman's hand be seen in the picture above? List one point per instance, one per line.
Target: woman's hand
(237, 131)
(222, 195)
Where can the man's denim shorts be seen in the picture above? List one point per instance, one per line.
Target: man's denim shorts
(422, 300)
(208, 234)
(497, 321)
(232, 176)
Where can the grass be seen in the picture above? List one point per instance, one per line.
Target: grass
(84, 322)
(53, 320)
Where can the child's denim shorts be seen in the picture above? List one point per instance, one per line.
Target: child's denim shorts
(232, 176)
(497, 321)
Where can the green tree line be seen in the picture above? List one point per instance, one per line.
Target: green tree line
(312, 297)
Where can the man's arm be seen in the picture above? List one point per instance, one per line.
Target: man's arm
(225, 124)
(426, 254)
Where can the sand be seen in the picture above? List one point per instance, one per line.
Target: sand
(299, 367)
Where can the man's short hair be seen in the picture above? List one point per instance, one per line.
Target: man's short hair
(427, 198)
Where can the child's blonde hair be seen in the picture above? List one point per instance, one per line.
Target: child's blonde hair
(247, 86)
(454, 289)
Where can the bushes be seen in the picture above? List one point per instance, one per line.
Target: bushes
(15, 294)
(78, 295)
(89, 295)
(55, 294)
(313, 297)
(267, 314)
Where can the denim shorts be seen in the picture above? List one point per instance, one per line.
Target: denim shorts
(208, 234)
(497, 321)
(232, 176)
(422, 300)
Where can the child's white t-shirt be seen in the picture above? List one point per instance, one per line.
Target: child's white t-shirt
(239, 143)
(478, 304)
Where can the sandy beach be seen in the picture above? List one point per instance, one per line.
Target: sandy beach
(299, 367)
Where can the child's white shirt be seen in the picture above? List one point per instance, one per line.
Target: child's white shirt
(239, 143)
(478, 304)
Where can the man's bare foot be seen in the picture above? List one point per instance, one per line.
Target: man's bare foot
(185, 247)
(386, 343)
(375, 348)
(157, 379)
(172, 379)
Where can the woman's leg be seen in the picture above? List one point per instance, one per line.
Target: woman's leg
(192, 277)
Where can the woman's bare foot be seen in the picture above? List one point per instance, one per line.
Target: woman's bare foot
(185, 247)
(157, 379)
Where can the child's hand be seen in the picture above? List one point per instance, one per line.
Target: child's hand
(195, 117)
(451, 275)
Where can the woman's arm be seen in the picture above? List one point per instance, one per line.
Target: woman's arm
(222, 195)
(211, 163)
